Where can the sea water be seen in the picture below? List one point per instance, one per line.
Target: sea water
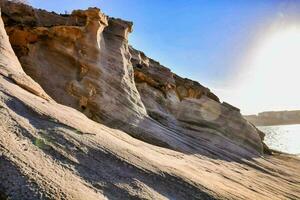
(285, 138)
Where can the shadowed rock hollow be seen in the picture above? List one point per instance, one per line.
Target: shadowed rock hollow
(86, 116)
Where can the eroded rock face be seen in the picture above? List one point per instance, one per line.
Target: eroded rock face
(83, 61)
(11, 68)
(188, 106)
(52, 151)
(154, 74)
(77, 67)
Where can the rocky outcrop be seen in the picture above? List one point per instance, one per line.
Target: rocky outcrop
(11, 68)
(73, 138)
(187, 106)
(272, 118)
(159, 77)
(94, 70)
(73, 55)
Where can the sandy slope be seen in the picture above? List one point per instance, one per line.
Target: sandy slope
(51, 151)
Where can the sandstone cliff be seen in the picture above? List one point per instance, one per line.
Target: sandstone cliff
(86, 116)
(83, 61)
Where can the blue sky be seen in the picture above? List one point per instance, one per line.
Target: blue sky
(203, 40)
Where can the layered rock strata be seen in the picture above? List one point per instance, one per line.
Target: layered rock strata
(81, 77)
(83, 61)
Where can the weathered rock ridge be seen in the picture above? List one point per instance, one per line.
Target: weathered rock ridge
(83, 61)
(76, 93)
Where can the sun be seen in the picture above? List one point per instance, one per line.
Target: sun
(270, 79)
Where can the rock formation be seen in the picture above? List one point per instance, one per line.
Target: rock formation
(86, 116)
(95, 71)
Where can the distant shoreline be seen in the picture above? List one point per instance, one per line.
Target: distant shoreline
(282, 124)
(275, 118)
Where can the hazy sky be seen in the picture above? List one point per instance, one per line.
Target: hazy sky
(210, 41)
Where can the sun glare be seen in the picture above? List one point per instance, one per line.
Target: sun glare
(271, 76)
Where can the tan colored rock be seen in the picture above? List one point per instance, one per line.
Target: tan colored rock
(11, 68)
(186, 88)
(52, 151)
(188, 106)
(94, 70)
(77, 52)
